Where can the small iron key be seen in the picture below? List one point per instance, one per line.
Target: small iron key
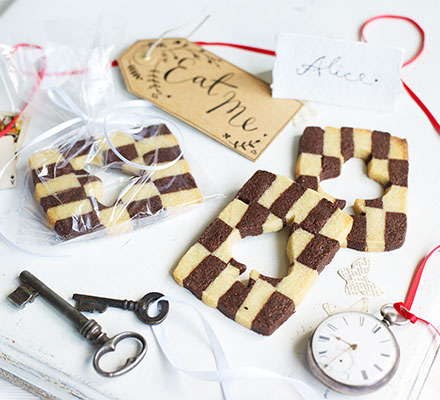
(94, 303)
(88, 328)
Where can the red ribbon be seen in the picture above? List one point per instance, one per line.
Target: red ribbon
(404, 309)
(238, 46)
(40, 76)
(114, 63)
(419, 102)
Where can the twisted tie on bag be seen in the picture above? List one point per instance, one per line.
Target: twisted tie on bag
(127, 117)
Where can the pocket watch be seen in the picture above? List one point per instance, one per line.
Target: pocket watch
(354, 352)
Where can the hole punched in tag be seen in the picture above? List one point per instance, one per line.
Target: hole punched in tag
(89, 328)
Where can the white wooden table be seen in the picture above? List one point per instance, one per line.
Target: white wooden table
(152, 253)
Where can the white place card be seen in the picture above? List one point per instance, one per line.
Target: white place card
(339, 72)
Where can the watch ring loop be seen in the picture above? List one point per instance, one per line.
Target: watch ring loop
(391, 316)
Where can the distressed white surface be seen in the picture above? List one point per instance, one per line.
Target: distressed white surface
(340, 72)
(131, 265)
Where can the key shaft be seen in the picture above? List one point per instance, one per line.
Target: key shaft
(89, 328)
(94, 303)
(55, 300)
(100, 304)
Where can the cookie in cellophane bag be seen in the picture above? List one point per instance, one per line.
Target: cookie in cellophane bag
(70, 193)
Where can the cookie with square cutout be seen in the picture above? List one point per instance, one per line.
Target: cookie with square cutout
(266, 203)
(378, 224)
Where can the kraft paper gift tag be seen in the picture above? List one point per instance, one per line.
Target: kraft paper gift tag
(227, 103)
(9, 145)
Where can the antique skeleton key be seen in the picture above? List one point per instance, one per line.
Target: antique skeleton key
(89, 328)
(100, 304)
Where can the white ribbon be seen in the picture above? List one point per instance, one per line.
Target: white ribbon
(225, 375)
(130, 122)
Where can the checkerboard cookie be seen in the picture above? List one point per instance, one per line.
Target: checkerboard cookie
(266, 203)
(378, 224)
(71, 196)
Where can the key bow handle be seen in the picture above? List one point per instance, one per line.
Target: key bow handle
(110, 346)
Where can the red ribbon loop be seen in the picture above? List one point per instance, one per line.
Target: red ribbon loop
(404, 308)
(419, 102)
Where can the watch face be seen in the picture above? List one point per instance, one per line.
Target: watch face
(355, 350)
